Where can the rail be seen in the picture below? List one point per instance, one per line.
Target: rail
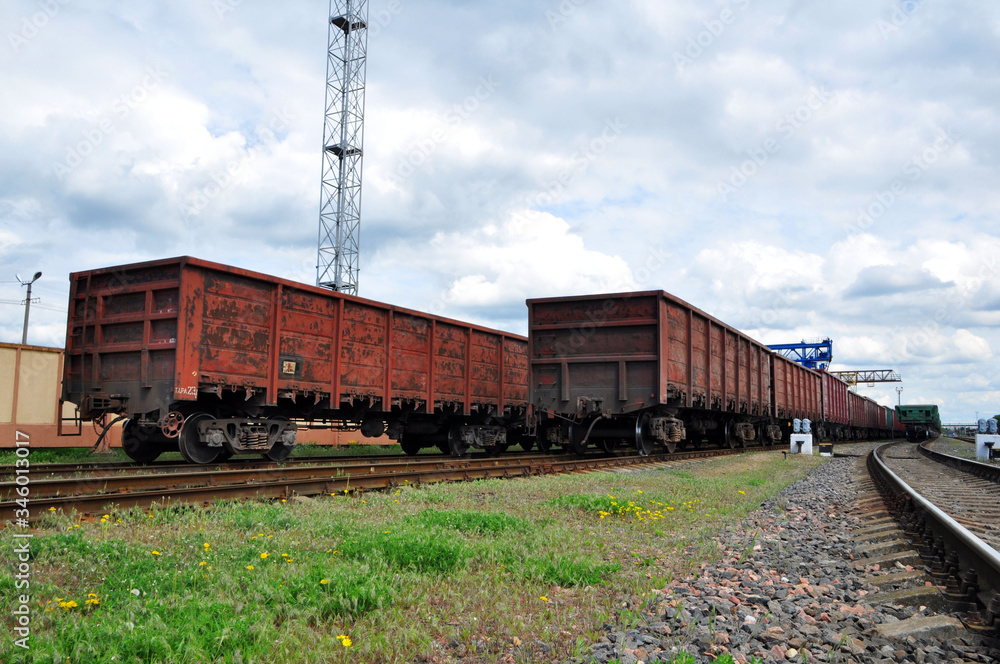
(979, 469)
(970, 566)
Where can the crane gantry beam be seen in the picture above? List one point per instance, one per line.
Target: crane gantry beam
(869, 377)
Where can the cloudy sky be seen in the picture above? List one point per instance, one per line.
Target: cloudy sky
(798, 169)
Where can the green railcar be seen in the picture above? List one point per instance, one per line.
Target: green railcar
(922, 421)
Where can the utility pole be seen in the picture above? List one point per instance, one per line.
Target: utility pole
(27, 305)
(343, 141)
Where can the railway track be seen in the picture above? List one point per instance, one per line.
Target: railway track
(109, 469)
(89, 494)
(949, 508)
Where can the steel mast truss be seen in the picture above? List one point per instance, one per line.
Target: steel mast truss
(343, 140)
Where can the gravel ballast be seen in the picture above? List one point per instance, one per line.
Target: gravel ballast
(787, 588)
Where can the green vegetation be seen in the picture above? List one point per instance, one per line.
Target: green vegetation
(473, 572)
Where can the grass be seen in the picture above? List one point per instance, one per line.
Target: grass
(474, 572)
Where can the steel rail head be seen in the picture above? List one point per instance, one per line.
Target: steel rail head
(950, 538)
(983, 470)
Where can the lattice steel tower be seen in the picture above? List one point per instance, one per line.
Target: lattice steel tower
(343, 139)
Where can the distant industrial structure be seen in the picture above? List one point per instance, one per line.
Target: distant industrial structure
(343, 147)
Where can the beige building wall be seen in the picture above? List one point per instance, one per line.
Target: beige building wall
(8, 365)
(39, 383)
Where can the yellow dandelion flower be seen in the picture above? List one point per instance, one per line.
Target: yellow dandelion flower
(202, 564)
(544, 598)
(94, 602)
(250, 567)
(264, 555)
(323, 582)
(155, 553)
(345, 640)
(52, 509)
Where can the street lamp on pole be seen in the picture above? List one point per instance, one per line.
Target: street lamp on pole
(899, 393)
(27, 305)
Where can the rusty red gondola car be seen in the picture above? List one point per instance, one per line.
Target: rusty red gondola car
(214, 360)
(644, 369)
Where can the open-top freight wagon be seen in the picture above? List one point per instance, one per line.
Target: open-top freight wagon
(214, 360)
(648, 369)
(645, 369)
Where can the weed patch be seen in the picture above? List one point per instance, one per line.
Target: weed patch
(481, 523)
(423, 550)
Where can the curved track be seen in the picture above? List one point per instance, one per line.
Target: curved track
(949, 513)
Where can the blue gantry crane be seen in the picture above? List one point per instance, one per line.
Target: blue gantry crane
(812, 355)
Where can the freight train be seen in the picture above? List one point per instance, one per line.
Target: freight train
(213, 361)
(649, 370)
(922, 421)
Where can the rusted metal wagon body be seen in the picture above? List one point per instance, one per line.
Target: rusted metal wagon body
(865, 416)
(217, 360)
(798, 391)
(836, 413)
(643, 369)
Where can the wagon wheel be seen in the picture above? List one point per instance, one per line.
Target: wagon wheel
(410, 447)
(279, 451)
(139, 447)
(729, 435)
(191, 448)
(543, 444)
(578, 442)
(643, 442)
(609, 445)
(410, 444)
(455, 444)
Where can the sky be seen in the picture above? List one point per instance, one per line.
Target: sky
(800, 170)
